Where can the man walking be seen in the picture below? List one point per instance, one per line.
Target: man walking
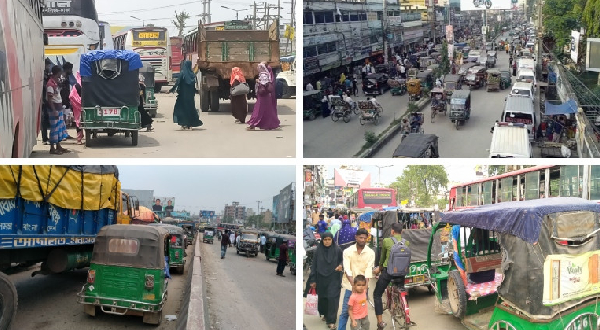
(225, 242)
(283, 259)
(358, 260)
(263, 241)
(231, 238)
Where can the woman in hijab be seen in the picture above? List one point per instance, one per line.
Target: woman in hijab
(239, 103)
(326, 277)
(75, 98)
(346, 234)
(184, 113)
(264, 115)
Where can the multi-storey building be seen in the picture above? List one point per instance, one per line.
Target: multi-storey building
(235, 211)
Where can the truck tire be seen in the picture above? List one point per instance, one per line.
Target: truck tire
(8, 302)
(287, 93)
(214, 101)
(204, 102)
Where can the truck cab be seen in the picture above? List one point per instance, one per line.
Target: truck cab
(129, 208)
(288, 80)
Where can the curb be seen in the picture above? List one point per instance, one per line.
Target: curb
(193, 310)
(391, 132)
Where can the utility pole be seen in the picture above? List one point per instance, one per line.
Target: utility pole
(258, 208)
(205, 12)
(293, 25)
(254, 17)
(384, 28)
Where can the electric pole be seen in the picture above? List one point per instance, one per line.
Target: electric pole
(384, 28)
(258, 208)
(205, 12)
(254, 16)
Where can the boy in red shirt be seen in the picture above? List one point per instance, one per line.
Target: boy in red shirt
(357, 303)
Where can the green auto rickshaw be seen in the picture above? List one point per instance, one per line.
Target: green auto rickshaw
(150, 101)
(208, 234)
(176, 246)
(521, 265)
(273, 243)
(190, 231)
(127, 274)
(110, 93)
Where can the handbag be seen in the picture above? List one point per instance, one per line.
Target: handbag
(312, 301)
(240, 89)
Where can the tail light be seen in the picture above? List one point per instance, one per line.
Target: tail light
(91, 276)
(149, 285)
(177, 255)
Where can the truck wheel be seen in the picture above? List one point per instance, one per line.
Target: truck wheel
(88, 138)
(134, 138)
(457, 294)
(204, 104)
(214, 101)
(287, 93)
(8, 302)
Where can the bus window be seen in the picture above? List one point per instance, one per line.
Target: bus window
(594, 182)
(474, 195)
(487, 192)
(532, 185)
(506, 191)
(570, 181)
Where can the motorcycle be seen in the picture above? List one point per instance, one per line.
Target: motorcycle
(487, 3)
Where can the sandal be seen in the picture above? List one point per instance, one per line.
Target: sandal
(249, 128)
(65, 151)
(331, 326)
(323, 319)
(55, 152)
(381, 325)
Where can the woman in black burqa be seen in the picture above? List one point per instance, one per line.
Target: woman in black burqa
(326, 277)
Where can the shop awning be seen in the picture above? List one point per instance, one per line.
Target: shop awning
(561, 109)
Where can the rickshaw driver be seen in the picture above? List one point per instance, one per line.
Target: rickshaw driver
(349, 100)
(438, 83)
(384, 278)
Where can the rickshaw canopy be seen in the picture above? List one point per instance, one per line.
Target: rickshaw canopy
(416, 145)
(87, 59)
(140, 246)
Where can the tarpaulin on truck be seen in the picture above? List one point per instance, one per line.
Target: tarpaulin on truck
(89, 188)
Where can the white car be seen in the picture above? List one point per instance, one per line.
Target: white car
(526, 75)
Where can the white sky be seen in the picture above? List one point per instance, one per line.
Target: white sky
(119, 12)
(210, 187)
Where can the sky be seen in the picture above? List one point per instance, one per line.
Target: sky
(119, 12)
(210, 187)
(456, 173)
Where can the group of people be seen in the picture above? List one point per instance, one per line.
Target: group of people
(336, 271)
(62, 90)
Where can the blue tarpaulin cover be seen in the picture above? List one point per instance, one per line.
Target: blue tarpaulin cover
(561, 109)
(521, 219)
(366, 217)
(86, 59)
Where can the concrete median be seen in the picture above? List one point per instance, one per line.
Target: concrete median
(194, 312)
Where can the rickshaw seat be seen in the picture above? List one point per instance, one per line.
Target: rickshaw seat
(476, 290)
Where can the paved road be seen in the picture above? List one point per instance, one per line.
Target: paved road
(245, 293)
(422, 305)
(219, 137)
(50, 303)
(473, 138)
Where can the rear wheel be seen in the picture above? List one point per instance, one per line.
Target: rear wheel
(8, 301)
(334, 117)
(88, 138)
(287, 93)
(312, 116)
(433, 113)
(204, 100)
(214, 101)
(457, 294)
(362, 121)
(347, 117)
(376, 119)
(134, 138)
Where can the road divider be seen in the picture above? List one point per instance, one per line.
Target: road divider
(194, 313)
(385, 136)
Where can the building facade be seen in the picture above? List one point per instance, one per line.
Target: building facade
(234, 211)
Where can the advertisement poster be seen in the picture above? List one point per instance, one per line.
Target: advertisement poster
(451, 52)
(164, 204)
(450, 34)
(485, 4)
(568, 277)
(575, 45)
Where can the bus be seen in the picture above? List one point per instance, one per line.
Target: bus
(374, 198)
(73, 29)
(542, 181)
(154, 46)
(21, 75)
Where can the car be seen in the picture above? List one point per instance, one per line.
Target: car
(522, 89)
(375, 84)
(526, 75)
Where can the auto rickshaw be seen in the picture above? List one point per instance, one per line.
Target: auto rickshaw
(466, 51)
(505, 79)
(369, 112)
(312, 104)
(516, 265)
(452, 82)
(189, 230)
(426, 79)
(438, 102)
(272, 249)
(150, 101)
(177, 245)
(460, 107)
(292, 254)
(418, 238)
(249, 242)
(208, 234)
(110, 93)
(476, 77)
(491, 59)
(414, 89)
(433, 67)
(416, 145)
(398, 86)
(493, 80)
(127, 274)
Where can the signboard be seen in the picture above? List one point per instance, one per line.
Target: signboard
(164, 204)
(450, 34)
(284, 205)
(451, 52)
(377, 197)
(307, 176)
(483, 30)
(238, 25)
(575, 45)
(485, 4)
(592, 62)
(207, 214)
(570, 277)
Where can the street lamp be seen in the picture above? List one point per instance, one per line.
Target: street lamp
(139, 20)
(380, 167)
(236, 11)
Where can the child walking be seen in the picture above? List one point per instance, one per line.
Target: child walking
(357, 305)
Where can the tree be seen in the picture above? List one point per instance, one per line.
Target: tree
(501, 169)
(421, 183)
(179, 21)
(591, 18)
(255, 220)
(560, 17)
(445, 64)
(227, 219)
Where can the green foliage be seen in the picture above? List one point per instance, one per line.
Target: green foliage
(255, 220)
(370, 137)
(179, 21)
(560, 17)
(501, 169)
(421, 182)
(412, 107)
(442, 203)
(591, 18)
(227, 219)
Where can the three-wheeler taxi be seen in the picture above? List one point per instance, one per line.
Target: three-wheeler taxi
(176, 246)
(522, 265)
(460, 107)
(208, 234)
(417, 145)
(249, 242)
(292, 254)
(150, 101)
(273, 243)
(127, 274)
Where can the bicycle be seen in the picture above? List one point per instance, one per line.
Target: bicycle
(397, 304)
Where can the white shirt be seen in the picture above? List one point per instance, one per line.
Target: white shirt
(348, 99)
(55, 94)
(309, 87)
(232, 237)
(237, 240)
(374, 101)
(263, 240)
(402, 69)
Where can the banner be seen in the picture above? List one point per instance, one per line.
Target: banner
(164, 204)
(451, 52)
(569, 277)
(575, 45)
(450, 34)
(485, 4)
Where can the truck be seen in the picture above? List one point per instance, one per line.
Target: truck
(176, 56)
(237, 45)
(288, 79)
(51, 214)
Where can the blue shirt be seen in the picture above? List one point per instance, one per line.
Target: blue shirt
(322, 225)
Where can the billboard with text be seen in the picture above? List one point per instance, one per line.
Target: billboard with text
(487, 4)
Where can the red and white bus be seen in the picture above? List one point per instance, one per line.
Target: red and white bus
(374, 198)
(542, 181)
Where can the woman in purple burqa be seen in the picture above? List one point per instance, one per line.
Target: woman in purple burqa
(264, 115)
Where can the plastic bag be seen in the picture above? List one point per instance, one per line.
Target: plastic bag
(312, 302)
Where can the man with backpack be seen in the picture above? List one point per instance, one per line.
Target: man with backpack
(394, 263)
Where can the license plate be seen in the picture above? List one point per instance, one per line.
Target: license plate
(109, 112)
(419, 279)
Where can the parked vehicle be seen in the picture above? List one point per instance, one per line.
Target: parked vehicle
(249, 242)
(127, 272)
(523, 89)
(417, 145)
(464, 69)
(375, 84)
(312, 104)
(520, 109)
(274, 241)
(177, 246)
(505, 79)
(526, 75)
(510, 140)
(491, 59)
(150, 101)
